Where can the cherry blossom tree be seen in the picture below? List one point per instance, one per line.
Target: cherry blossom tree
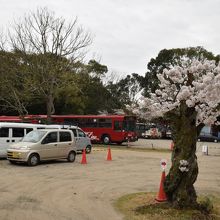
(188, 96)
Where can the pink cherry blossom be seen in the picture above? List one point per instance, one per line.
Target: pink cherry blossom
(195, 82)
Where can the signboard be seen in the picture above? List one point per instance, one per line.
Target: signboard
(92, 136)
(163, 164)
(205, 149)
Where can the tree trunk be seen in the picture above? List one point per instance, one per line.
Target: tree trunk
(50, 108)
(178, 184)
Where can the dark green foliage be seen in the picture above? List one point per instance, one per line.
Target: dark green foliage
(15, 95)
(89, 96)
(96, 68)
(125, 91)
(75, 88)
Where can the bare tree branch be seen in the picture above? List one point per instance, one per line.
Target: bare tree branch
(49, 46)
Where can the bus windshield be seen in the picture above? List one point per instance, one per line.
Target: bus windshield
(34, 136)
(129, 125)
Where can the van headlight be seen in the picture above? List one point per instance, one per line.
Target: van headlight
(24, 148)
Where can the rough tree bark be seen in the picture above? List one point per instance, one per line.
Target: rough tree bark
(179, 184)
(50, 107)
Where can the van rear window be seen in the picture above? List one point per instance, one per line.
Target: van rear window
(4, 132)
(28, 130)
(17, 132)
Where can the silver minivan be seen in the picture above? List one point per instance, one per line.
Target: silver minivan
(43, 144)
(82, 140)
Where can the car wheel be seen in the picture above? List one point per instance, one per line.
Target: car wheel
(33, 160)
(198, 140)
(106, 139)
(88, 149)
(216, 141)
(71, 156)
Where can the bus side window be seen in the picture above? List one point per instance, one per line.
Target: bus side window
(17, 132)
(90, 122)
(4, 132)
(117, 126)
(105, 122)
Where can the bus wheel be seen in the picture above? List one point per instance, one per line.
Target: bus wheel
(106, 139)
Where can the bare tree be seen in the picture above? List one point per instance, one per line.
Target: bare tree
(14, 101)
(41, 32)
(49, 46)
(2, 40)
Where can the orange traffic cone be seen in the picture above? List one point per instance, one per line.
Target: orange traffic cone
(109, 155)
(83, 161)
(171, 145)
(161, 196)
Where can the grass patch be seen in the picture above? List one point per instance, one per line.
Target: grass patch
(142, 206)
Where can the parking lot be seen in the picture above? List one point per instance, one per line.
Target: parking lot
(213, 148)
(69, 191)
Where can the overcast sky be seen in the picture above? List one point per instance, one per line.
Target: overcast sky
(128, 33)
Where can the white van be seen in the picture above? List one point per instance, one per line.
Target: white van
(13, 132)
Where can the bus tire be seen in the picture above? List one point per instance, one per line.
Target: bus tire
(106, 139)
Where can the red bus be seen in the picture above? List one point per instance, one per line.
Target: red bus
(10, 119)
(100, 128)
